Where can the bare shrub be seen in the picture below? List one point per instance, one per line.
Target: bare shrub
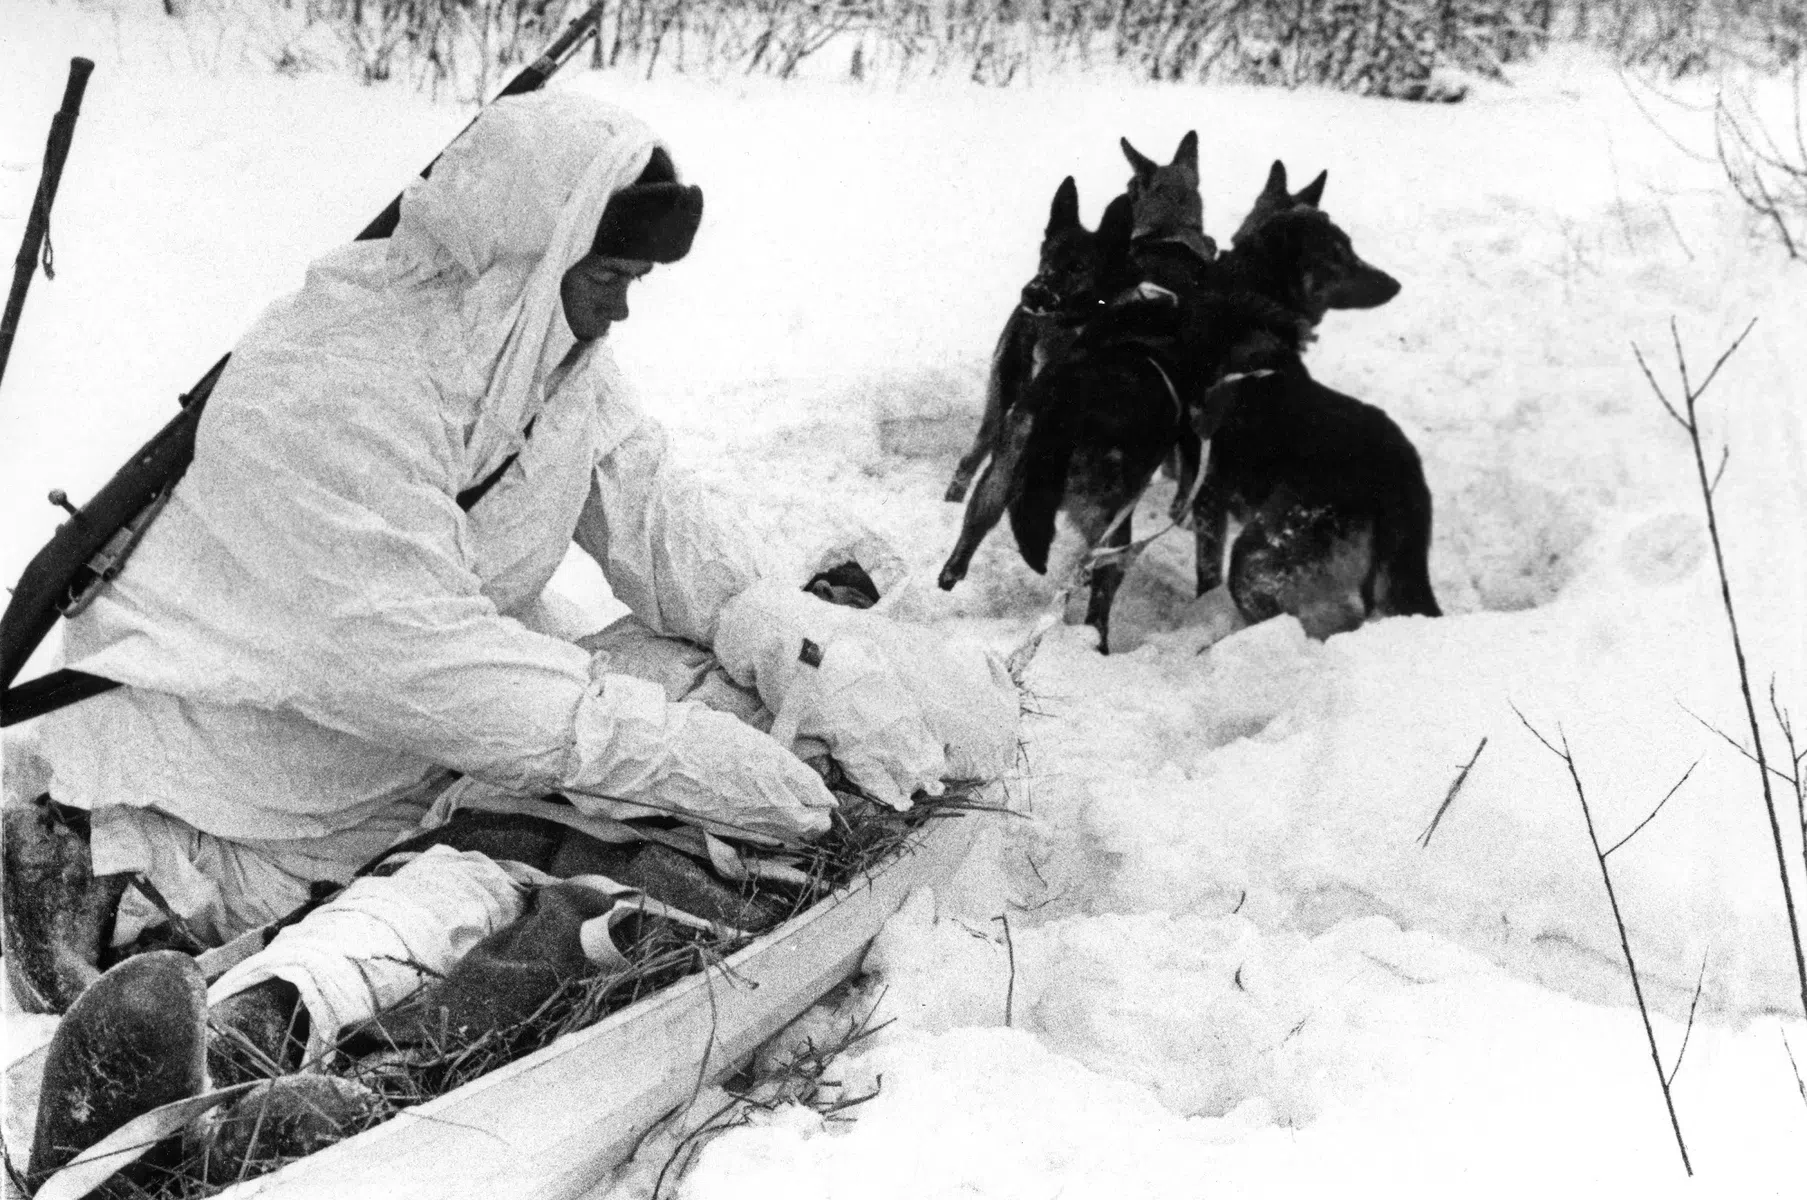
(1677, 38)
(1766, 165)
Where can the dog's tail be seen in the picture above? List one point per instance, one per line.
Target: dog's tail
(1012, 362)
(997, 489)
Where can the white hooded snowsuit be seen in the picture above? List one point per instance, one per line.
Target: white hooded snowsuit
(314, 636)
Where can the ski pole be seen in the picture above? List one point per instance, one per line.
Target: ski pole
(37, 225)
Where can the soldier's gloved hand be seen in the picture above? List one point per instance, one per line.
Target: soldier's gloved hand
(855, 703)
(774, 792)
(853, 700)
(634, 746)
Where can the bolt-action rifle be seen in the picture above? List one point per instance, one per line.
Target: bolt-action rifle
(90, 549)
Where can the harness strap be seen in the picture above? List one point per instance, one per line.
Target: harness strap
(1173, 393)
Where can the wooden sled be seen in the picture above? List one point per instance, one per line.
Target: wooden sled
(553, 1124)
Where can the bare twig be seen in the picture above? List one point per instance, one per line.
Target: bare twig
(800, 1078)
(1799, 1085)
(1657, 809)
(1688, 1032)
(1612, 897)
(1690, 424)
(1735, 744)
(1796, 753)
(1424, 839)
(1010, 987)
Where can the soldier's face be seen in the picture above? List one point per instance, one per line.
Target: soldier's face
(594, 293)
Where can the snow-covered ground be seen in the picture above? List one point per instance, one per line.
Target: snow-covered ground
(1236, 972)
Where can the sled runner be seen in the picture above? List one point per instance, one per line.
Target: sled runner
(553, 1124)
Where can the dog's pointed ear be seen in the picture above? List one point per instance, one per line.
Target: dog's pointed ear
(1139, 162)
(1276, 180)
(1312, 192)
(1064, 214)
(1187, 154)
(1114, 230)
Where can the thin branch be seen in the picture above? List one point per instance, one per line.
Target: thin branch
(1010, 987)
(1681, 362)
(1612, 897)
(1424, 839)
(1795, 755)
(1656, 387)
(1734, 743)
(1696, 394)
(1657, 809)
(1799, 1086)
(1688, 1032)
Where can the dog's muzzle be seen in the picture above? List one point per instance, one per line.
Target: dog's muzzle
(1039, 299)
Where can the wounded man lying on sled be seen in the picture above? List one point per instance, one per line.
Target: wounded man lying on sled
(328, 642)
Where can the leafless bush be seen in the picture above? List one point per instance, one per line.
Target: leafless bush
(1687, 37)
(1767, 167)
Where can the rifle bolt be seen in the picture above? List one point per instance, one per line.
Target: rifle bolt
(60, 498)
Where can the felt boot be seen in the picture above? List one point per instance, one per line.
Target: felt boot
(57, 914)
(133, 1041)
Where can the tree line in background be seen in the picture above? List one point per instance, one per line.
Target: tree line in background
(1398, 49)
(1389, 48)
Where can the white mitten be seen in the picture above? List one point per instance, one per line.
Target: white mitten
(634, 746)
(895, 683)
(760, 634)
(856, 704)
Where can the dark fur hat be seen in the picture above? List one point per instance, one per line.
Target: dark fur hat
(655, 218)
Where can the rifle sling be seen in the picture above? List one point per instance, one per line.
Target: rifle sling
(47, 693)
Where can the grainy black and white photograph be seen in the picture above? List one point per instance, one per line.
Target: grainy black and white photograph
(903, 599)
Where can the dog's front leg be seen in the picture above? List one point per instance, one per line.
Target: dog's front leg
(1210, 521)
(1107, 577)
(1187, 454)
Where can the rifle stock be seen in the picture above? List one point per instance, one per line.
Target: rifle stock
(90, 548)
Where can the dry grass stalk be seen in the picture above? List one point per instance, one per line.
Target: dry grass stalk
(1424, 839)
(801, 1078)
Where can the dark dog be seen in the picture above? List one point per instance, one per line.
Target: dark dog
(1165, 202)
(1054, 308)
(1094, 426)
(1112, 407)
(1275, 199)
(1335, 512)
(1162, 216)
(1089, 431)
